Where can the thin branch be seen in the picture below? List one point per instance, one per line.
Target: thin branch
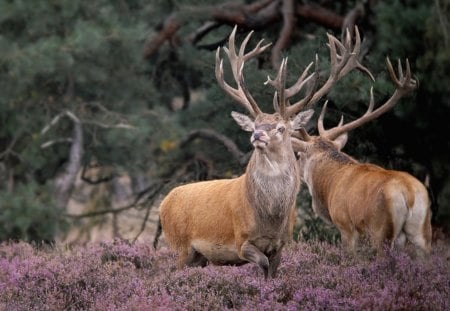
(157, 234)
(351, 18)
(50, 143)
(10, 147)
(240, 156)
(288, 13)
(169, 28)
(141, 198)
(119, 125)
(200, 32)
(52, 123)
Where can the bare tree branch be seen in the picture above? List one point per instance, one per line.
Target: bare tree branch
(351, 19)
(319, 15)
(65, 182)
(288, 13)
(256, 15)
(50, 143)
(240, 156)
(10, 148)
(119, 125)
(144, 221)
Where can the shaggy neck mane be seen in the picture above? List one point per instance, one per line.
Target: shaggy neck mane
(272, 184)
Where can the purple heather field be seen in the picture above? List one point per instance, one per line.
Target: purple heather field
(313, 276)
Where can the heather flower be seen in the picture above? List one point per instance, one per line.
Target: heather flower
(119, 275)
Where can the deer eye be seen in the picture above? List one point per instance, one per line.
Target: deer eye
(281, 129)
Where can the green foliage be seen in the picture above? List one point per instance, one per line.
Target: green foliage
(29, 214)
(76, 55)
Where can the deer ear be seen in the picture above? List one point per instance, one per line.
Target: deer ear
(301, 119)
(341, 140)
(244, 121)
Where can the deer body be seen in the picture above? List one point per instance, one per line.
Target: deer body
(362, 198)
(249, 218)
(234, 221)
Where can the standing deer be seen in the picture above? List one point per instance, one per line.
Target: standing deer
(250, 218)
(364, 198)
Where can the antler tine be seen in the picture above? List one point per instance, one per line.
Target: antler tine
(300, 82)
(400, 69)
(343, 59)
(353, 61)
(237, 61)
(225, 86)
(243, 86)
(279, 83)
(281, 102)
(299, 105)
(320, 127)
(404, 85)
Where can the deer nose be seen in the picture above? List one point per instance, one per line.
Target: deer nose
(257, 134)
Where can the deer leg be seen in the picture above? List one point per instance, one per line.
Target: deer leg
(251, 253)
(422, 245)
(380, 239)
(349, 239)
(274, 262)
(399, 241)
(195, 259)
(183, 254)
(419, 234)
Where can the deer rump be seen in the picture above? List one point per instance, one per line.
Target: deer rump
(367, 199)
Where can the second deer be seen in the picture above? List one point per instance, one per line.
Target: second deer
(388, 206)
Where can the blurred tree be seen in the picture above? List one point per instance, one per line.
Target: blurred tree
(129, 84)
(74, 90)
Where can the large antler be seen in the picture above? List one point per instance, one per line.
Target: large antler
(237, 61)
(282, 95)
(404, 84)
(343, 59)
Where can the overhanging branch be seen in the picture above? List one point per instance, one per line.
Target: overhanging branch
(257, 15)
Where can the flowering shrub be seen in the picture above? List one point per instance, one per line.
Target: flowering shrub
(312, 276)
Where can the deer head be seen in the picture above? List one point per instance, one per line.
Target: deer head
(269, 131)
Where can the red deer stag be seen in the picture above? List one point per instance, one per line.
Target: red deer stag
(251, 218)
(363, 198)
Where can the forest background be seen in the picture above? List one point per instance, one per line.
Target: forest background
(95, 91)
